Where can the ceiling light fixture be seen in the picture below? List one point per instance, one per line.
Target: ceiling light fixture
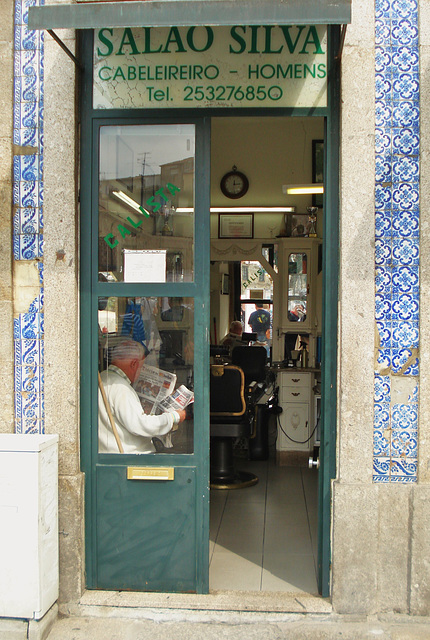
(241, 210)
(130, 202)
(302, 189)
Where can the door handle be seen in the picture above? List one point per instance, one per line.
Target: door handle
(314, 464)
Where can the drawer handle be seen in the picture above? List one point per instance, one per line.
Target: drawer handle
(295, 379)
(295, 394)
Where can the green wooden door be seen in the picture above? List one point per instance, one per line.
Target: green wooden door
(145, 313)
(330, 265)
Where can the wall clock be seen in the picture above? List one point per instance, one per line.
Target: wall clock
(234, 184)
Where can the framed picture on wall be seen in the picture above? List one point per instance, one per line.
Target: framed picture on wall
(240, 225)
(225, 284)
(296, 225)
(317, 170)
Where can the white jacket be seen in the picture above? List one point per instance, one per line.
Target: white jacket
(135, 428)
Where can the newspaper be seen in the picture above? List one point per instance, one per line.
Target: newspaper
(155, 390)
(179, 399)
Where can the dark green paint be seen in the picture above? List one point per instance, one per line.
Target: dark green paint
(329, 324)
(146, 531)
(197, 464)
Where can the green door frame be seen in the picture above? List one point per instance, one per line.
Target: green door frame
(89, 187)
(330, 314)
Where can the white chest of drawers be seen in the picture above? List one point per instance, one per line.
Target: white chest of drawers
(295, 391)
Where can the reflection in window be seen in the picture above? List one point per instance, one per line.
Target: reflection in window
(256, 283)
(146, 375)
(297, 287)
(256, 301)
(146, 203)
(270, 252)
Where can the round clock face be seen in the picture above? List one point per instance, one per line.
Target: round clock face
(234, 184)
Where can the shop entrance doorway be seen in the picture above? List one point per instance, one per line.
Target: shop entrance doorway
(264, 537)
(147, 265)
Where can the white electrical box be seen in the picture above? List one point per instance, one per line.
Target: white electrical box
(29, 524)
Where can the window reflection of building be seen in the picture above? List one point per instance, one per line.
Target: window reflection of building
(132, 165)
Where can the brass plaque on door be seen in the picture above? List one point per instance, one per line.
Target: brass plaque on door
(150, 473)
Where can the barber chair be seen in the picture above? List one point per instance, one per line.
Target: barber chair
(252, 361)
(230, 418)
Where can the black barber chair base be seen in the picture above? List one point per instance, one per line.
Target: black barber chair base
(229, 420)
(224, 475)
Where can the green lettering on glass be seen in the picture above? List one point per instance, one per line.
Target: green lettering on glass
(123, 231)
(151, 202)
(110, 239)
(134, 224)
(160, 193)
(172, 188)
(107, 239)
(144, 211)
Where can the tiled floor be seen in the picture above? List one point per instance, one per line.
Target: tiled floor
(264, 538)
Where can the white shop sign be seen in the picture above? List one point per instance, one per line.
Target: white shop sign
(189, 67)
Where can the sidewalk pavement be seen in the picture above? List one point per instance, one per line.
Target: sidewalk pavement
(224, 615)
(76, 628)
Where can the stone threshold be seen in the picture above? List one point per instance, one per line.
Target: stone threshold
(178, 606)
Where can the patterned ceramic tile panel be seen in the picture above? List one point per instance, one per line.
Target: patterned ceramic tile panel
(28, 215)
(397, 92)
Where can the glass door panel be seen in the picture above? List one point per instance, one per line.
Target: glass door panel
(298, 288)
(146, 375)
(144, 335)
(257, 301)
(146, 203)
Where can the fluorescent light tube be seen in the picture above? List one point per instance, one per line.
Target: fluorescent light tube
(302, 189)
(130, 202)
(241, 210)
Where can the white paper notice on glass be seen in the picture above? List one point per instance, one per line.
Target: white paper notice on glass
(145, 265)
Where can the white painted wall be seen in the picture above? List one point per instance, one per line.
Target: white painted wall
(271, 152)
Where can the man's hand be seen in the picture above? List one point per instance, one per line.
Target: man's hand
(181, 414)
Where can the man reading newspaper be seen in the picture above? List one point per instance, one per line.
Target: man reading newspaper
(155, 389)
(134, 427)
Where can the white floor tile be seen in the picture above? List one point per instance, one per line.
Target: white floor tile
(289, 573)
(242, 543)
(265, 537)
(229, 571)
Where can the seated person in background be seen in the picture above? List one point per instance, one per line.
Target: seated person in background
(234, 337)
(135, 428)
